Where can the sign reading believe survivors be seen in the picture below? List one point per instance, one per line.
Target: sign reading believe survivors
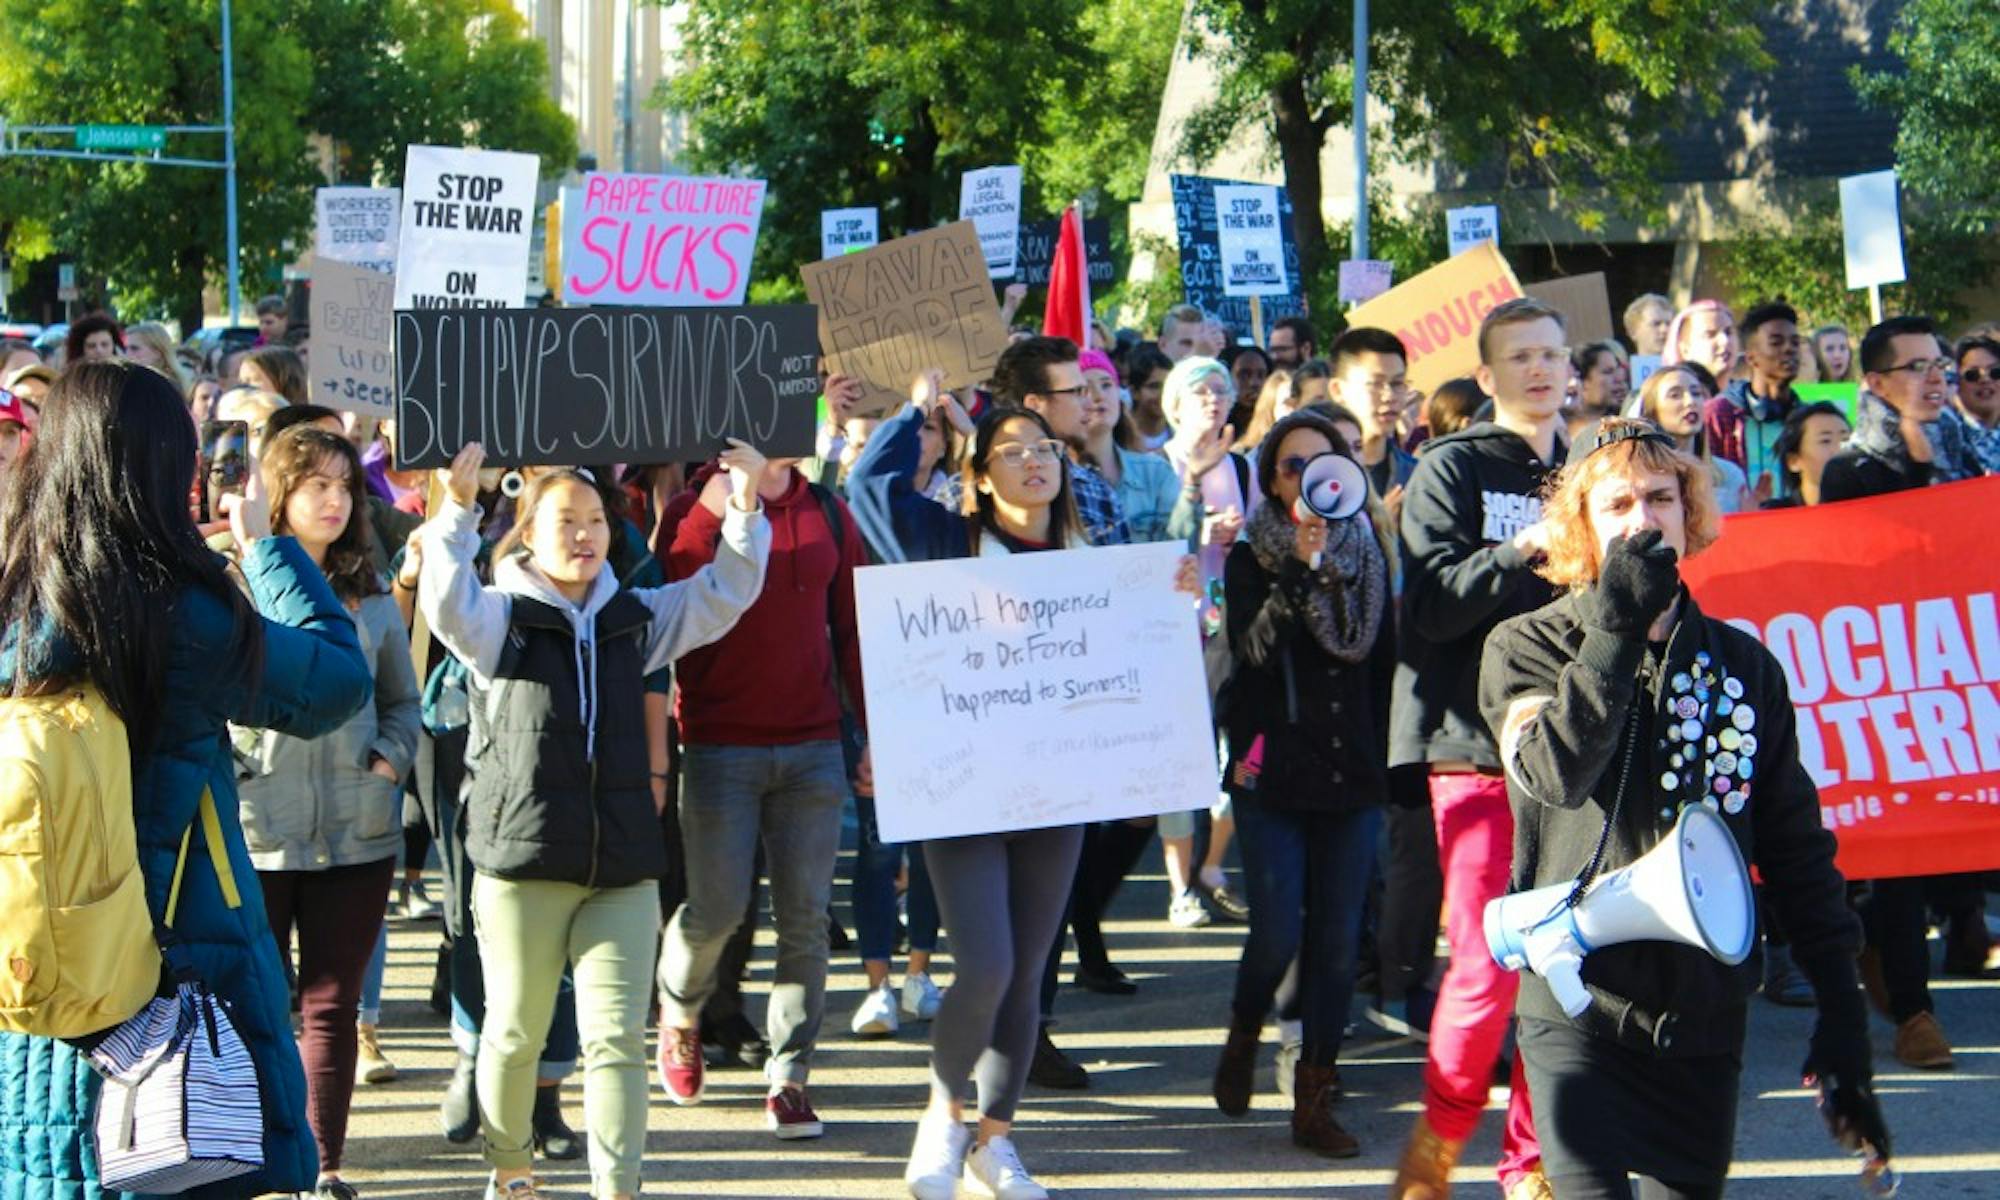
(572, 386)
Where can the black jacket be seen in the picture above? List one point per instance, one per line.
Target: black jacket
(1564, 773)
(1470, 494)
(1325, 727)
(1853, 474)
(537, 806)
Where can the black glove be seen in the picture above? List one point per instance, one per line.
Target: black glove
(1841, 1065)
(1636, 584)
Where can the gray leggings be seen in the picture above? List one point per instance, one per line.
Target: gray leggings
(1002, 897)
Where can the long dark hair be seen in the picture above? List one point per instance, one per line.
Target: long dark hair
(1065, 529)
(97, 542)
(305, 450)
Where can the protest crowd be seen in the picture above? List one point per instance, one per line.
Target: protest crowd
(619, 710)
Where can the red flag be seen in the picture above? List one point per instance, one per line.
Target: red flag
(1068, 312)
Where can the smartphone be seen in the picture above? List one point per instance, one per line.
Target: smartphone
(224, 463)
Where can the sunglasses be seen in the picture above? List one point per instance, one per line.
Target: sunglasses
(1980, 375)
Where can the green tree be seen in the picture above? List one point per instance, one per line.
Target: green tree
(1564, 94)
(1944, 98)
(888, 102)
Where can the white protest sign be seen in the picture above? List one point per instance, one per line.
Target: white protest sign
(1032, 690)
(353, 338)
(467, 219)
(990, 198)
(1467, 227)
(358, 225)
(1871, 227)
(845, 230)
(1363, 279)
(667, 241)
(1251, 240)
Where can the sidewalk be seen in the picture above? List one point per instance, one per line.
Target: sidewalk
(1146, 1126)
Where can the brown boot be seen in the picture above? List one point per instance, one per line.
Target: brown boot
(1425, 1170)
(1532, 1186)
(1235, 1070)
(1920, 1043)
(1313, 1126)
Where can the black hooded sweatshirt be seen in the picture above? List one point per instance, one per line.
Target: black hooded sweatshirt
(1470, 494)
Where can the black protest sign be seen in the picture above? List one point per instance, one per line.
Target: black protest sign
(1201, 256)
(571, 386)
(1037, 253)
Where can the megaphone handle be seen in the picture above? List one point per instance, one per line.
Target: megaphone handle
(1316, 560)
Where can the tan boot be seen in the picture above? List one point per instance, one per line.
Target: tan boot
(1425, 1170)
(370, 1063)
(1920, 1043)
(1532, 1186)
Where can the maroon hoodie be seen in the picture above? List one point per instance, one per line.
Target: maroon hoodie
(770, 680)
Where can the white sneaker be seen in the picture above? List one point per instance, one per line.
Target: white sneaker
(876, 1018)
(1288, 1058)
(937, 1158)
(921, 997)
(1187, 911)
(995, 1170)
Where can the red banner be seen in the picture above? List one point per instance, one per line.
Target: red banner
(1881, 613)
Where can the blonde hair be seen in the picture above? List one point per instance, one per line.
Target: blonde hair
(160, 342)
(1572, 560)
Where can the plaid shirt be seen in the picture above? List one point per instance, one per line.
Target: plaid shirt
(1096, 504)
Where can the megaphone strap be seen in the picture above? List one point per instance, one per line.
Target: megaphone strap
(1588, 875)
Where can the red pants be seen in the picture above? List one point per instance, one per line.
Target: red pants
(1476, 1000)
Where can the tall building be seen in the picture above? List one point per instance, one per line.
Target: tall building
(605, 59)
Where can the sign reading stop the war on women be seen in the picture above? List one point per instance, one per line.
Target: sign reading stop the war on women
(1030, 690)
(1251, 239)
(846, 230)
(671, 241)
(467, 218)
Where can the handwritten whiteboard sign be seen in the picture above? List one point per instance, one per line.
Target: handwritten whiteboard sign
(1033, 690)
(353, 360)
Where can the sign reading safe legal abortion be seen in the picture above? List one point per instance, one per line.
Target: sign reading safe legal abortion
(568, 386)
(1032, 690)
(674, 241)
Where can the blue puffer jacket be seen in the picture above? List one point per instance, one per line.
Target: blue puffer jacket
(314, 677)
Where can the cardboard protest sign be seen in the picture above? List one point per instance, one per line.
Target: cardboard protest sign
(358, 225)
(1038, 252)
(1437, 314)
(571, 386)
(1032, 690)
(1246, 230)
(919, 301)
(1201, 256)
(468, 216)
(1882, 614)
(845, 230)
(990, 198)
(677, 241)
(1468, 227)
(1871, 229)
(353, 314)
(1584, 302)
(1363, 279)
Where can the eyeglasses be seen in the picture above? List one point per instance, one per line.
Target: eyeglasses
(1980, 375)
(1922, 366)
(1020, 454)
(1079, 390)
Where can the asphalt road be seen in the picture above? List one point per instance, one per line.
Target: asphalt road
(1146, 1126)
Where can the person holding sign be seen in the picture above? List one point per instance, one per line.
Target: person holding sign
(1616, 707)
(560, 820)
(1314, 650)
(1002, 895)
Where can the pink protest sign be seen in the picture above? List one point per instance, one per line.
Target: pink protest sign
(673, 241)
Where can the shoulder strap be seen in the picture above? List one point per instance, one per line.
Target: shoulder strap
(1242, 466)
(831, 511)
(211, 833)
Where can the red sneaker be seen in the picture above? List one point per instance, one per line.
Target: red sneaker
(790, 1115)
(681, 1064)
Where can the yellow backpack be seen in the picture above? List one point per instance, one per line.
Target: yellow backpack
(77, 953)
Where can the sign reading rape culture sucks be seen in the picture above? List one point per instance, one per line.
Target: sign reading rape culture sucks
(1030, 690)
(669, 241)
(1882, 614)
(1437, 314)
(467, 218)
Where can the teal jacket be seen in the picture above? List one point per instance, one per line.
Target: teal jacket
(312, 679)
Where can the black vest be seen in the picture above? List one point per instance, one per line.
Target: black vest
(536, 805)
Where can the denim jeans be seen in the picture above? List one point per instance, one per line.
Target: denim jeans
(790, 798)
(1306, 874)
(874, 891)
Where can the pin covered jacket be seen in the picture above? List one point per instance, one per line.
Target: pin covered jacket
(1711, 722)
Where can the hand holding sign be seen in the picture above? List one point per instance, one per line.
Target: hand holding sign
(460, 481)
(746, 471)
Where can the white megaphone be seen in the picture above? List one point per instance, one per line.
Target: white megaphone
(1333, 487)
(1691, 888)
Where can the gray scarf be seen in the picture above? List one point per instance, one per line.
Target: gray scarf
(1344, 608)
(1878, 432)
